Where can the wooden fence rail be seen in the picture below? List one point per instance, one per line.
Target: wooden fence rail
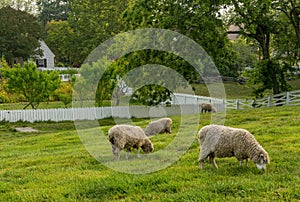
(288, 98)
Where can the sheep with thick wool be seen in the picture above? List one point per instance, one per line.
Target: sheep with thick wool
(159, 126)
(207, 107)
(223, 141)
(128, 137)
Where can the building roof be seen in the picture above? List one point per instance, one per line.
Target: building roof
(46, 50)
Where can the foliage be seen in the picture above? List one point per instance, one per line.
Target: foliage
(52, 10)
(291, 9)
(195, 19)
(96, 82)
(258, 21)
(150, 95)
(3, 63)
(23, 5)
(94, 22)
(285, 46)
(247, 56)
(20, 41)
(64, 93)
(262, 76)
(61, 39)
(77, 176)
(36, 86)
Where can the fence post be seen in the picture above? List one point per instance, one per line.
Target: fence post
(269, 101)
(237, 102)
(288, 98)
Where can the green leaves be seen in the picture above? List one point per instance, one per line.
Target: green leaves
(19, 34)
(268, 74)
(34, 85)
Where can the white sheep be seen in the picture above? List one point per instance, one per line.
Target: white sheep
(128, 137)
(224, 141)
(207, 107)
(159, 126)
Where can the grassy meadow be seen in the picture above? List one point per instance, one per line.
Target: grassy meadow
(53, 165)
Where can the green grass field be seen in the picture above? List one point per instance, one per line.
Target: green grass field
(53, 165)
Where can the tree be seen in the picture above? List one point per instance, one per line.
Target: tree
(64, 93)
(95, 82)
(287, 41)
(247, 54)
(151, 95)
(20, 34)
(196, 19)
(94, 22)
(61, 38)
(257, 21)
(291, 9)
(56, 10)
(34, 85)
(260, 80)
(284, 44)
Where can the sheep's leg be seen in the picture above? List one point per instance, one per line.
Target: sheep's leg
(127, 152)
(168, 130)
(117, 152)
(212, 161)
(202, 156)
(138, 152)
(201, 163)
(242, 162)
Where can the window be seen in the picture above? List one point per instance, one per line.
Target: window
(41, 62)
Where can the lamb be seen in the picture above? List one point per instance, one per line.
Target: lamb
(224, 141)
(207, 107)
(128, 137)
(159, 126)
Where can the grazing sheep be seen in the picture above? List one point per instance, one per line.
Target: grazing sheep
(207, 107)
(127, 137)
(159, 126)
(224, 141)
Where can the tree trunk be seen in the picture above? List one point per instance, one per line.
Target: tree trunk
(264, 41)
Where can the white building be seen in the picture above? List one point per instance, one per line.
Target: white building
(47, 58)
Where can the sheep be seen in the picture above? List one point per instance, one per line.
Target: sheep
(223, 141)
(207, 107)
(159, 126)
(128, 137)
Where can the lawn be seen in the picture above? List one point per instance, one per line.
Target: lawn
(53, 165)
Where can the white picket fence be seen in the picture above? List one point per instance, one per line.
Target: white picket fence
(180, 104)
(95, 113)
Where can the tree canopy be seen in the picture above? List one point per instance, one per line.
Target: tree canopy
(35, 86)
(52, 10)
(20, 33)
(269, 43)
(259, 22)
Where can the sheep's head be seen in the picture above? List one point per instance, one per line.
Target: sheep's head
(262, 161)
(147, 147)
